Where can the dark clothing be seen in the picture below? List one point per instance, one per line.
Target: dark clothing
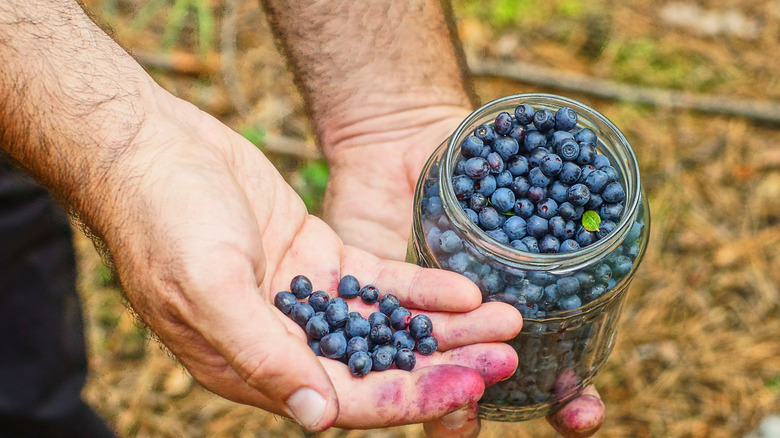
(42, 356)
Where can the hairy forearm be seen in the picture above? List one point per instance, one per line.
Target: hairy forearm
(70, 98)
(359, 63)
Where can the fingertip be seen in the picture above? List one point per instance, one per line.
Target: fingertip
(463, 423)
(581, 417)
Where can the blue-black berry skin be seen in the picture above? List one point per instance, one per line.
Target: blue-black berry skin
(360, 364)
(534, 140)
(536, 226)
(503, 123)
(506, 147)
(596, 181)
(420, 326)
(489, 218)
(557, 227)
(586, 135)
(381, 334)
(569, 245)
(568, 286)
(611, 212)
(336, 313)
(544, 120)
(584, 237)
(357, 327)
(605, 228)
(285, 301)
(549, 244)
(300, 286)
(504, 179)
(349, 287)
(315, 347)
(586, 155)
(405, 359)
(319, 300)
(520, 186)
(536, 194)
(403, 339)
(485, 133)
(301, 312)
(524, 113)
(579, 194)
(388, 303)
(356, 344)
(613, 193)
(503, 200)
(317, 327)
(477, 168)
(369, 295)
(471, 146)
(486, 185)
(558, 191)
(427, 345)
(600, 161)
(536, 155)
(524, 208)
(463, 187)
(499, 235)
(594, 203)
(547, 208)
(612, 174)
(531, 243)
(477, 202)
(473, 217)
(570, 303)
(517, 133)
(449, 242)
(378, 318)
(515, 228)
(383, 357)
(551, 165)
(400, 317)
(517, 165)
(565, 119)
(333, 345)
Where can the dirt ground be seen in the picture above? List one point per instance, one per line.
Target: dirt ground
(698, 350)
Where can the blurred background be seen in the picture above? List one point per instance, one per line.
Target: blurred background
(695, 87)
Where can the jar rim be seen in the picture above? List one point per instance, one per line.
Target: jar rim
(556, 263)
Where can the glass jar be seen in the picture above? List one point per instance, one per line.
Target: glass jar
(560, 351)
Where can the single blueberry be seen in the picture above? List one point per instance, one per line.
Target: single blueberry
(477, 168)
(503, 123)
(517, 165)
(477, 202)
(594, 203)
(524, 208)
(383, 357)
(459, 166)
(565, 119)
(605, 228)
(551, 294)
(301, 313)
(378, 318)
(549, 244)
(517, 133)
(506, 147)
(430, 188)
(420, 326)
(349, 287)
(403, 339)
(471, 146)
(532, 292)
(585, 171)
(534, 140)
(600, 161)
(486, 150)
(579, 194)
(503, 200)
(536, 226)
(559, 192)
(586, 280)
(433, 236)
(300, 286)
(369, 295)
(356, 344)
(524, 113)
(612, 174)
(317, 327)
(595, 292)
(570, 302)
(400, 317)
(611, 212)
(560, 137)
(405, 359)
(498, 235)
(536, 155)
(613, 193)
(536, 194)
(333, 345)
(489, 218)
(586, 155)
(566, 210)
(584, 237)
(463, 186)
(551, 165)
(431, 207)
(493, 282)
(285, 301)
(450, 242)
(547, 208)
(315, 347)
(473, 217)
(515, 228)
(319, 300)
(388, 303)
(381, 334)
(531, 243)
(620, 268)
(520, 186)
(485, 186)
(528, 310)
(557, 227)
(427, 345)
(568, 286)
(596, 180)
(357, 326)
(603, 272)
(360, 364)
(586, 135)
(504, 179)
(569, 245)
(485, 133)
(336, 313)
(544, 120)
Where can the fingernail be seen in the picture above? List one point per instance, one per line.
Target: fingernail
(455, 420)
(307, 407)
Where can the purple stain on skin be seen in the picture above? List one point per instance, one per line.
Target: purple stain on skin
(492, 367)
(334, 282)
(580, 418)
(448, 388)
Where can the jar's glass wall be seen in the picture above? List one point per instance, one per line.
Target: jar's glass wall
(560, 351)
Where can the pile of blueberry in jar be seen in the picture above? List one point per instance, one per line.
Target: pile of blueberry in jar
(536, 182)
(388, 337)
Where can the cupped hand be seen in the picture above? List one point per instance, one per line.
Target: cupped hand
(203, 231)
(369, 203)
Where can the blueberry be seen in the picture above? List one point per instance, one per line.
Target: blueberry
(485, 133)
(405, 359)
(622, 266)
(471, 146)
(383, 357)
(477, 168)
(403, 339)
(584, 237)
(611, 212)
(460, 166)
(285, 301)
(534, 140)
(317, 327)
(524, 208)
(557, 227)
(369, 294)
(603, 272)
(360, 364)
(585, 171)
(433, 239)
(536, 226)
(427, 345)
(503, 200)
(595, 202)
(388, 303)
(356, 344)
(473, 217)
(569, 150)
(565, 119)
(605, 228)
(463, 186)
(431, 207)
(586, 156)
(536, 155)
(586, 135)
(400, 317)
(570, 230)
(517, 165)
(503, 123)
(485, 186)
(559, 137)
(498, 235)
(612, 174)
(486, 150)
(558, 191)
(300, 286)
(477, 202)
(544, 120)
(489, 218)
(613, 193)
(586, 280)
(336, 313)
(315, 347)
(357, 326)
(319, 301)
(506, 147)
(579, 194)
(595, 292)
(547, 208)
(378, 318)
(520, 186)
(578, 211)
(517, 133)
(549, 244)
(596, 180)
(349, 287)
(569, 245)
(301, 313)
(524, 113)
(450, 242)
(570, 303)
(551, 294)
(533, 292)
(430, 188)
(493, 282)
(536, 194)
(420, 326)
(528, 310)
(600, 161)
(504, 179)
(515, 228)
(381, 334)
(333, 345)
(568, 286)
(531, 243)
(566, 210)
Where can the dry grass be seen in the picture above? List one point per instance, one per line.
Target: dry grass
(698, 353)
